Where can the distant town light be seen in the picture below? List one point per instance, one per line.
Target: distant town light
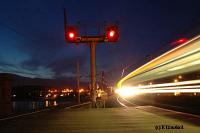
(180, 77)
(55, 103)
(54, 95)
(175, 80)
(81, 90)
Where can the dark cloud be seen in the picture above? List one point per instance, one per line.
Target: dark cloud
(31, 64)
(61, 67)
(6, 67)
(11, 68)
(66, 65)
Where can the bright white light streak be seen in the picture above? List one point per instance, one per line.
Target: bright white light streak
(160, 88)
(197, 62)
(126, 91)
(177, 68)
(180, 87)
(176, 90)
(167, 84)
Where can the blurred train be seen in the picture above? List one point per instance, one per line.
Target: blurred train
(177, 67)
(174, 73)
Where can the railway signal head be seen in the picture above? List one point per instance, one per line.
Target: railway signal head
(71, 34)
(112, 33)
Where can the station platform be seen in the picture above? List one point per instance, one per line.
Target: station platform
(101, 120)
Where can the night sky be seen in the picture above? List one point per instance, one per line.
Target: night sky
(32, 40)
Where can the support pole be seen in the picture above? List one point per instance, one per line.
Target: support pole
(5, 94)
(78, 81)
(102, 80)
(93, 72)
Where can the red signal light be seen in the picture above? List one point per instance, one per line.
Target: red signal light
(71, 34)
(112, 34)
(180, 41)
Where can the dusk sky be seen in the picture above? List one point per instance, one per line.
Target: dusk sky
(32, 40)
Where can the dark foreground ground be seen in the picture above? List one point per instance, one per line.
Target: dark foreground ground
(189, 104)
(138, 119)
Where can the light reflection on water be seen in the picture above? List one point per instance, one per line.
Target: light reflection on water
(55, 103)
(46, 103)
(28, 106)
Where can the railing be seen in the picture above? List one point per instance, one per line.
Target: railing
(21, 107)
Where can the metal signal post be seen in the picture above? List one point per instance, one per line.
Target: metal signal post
(71, 35)
(93, 72)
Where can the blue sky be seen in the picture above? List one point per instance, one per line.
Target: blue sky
(32, 36)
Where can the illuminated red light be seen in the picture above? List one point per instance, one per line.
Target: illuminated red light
(71, 35)
(180, 41)
(112, 33)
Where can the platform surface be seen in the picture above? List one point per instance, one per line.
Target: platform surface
(108, 120)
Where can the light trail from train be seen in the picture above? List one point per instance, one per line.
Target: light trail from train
(179, 87)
